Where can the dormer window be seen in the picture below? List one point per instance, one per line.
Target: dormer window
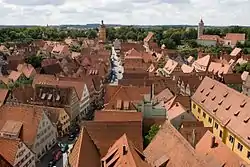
(213, 98)
(225, 95)
(243, 104)
(212, 87)
(236, 113)
(208, 94)
(202, 90)
(214, 110)
(228, 107)
(202, 101)
(246, 120)
(220, 102)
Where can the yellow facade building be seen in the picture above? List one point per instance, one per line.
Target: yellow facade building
(227, 111)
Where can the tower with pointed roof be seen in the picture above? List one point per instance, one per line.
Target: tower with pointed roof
(200, 28)
(102, 32)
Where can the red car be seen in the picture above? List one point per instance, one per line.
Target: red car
(57, 155)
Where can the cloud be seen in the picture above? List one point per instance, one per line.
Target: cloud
(213, 12)
(35, 2)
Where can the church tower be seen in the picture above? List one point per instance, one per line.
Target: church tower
(102, 32)
(200, 28)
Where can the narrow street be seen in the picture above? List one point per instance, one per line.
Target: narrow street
(47, 157)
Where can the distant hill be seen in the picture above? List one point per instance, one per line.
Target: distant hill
(89, 26)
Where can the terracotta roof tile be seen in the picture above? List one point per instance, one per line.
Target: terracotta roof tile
(84, 152)
(124, 93)
(176, 110)
(117, 116)
(5, 79)
(3, 95)
(99, 132)
(133, 54)
(30, 116)
(124, 153)
(27, 69)
(164, 95)
(127, 46)
(234, 37)
(219, 68)
(232, 78)
(52, 69)
(220, 98)
(175, 150)
(170, 66)
(227, 157)
(75, 83)
(235, 52)
(14, 75)
(8, 149)
(149, 37)
(210, 37)
(193, 131)
(186, 68)
(201, 64)
(47, 62)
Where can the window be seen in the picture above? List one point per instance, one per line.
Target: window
(220, 134)
(216, 125)
(210, 120)
(248, 154)
(204, 115)
(194, 106)
(240, 147)
(199, 110)
(231, 139)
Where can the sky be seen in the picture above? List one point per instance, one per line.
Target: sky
(128, 12)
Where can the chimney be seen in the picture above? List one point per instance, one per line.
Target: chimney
(213, 142)
(152, 91)
(193, 138)
(124, 150)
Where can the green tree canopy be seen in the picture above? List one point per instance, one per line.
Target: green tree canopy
(151, 133)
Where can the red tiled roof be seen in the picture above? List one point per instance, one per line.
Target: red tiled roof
(47, 62)
(229, 107)
(8, 149)
(105, 133)
(234, 37)
(117, 116)
(124, 93)
(130, 157)
(84, 152)
(29, 116)
(3, 95)
(149, 37)
(170, 147)
(210, 37)
(220, 152)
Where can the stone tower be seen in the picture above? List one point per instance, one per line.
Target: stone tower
(102, 32)
(200, 28)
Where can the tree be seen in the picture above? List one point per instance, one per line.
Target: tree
(91, 34)
(131, 35)
(35, 61)
(192, 43)
(151, 133)
(245, 51)
(176, 37)
(169, 43)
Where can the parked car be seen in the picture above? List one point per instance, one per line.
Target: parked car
(63, 147)
(72, 136)
(57, 155)
(52, 163)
